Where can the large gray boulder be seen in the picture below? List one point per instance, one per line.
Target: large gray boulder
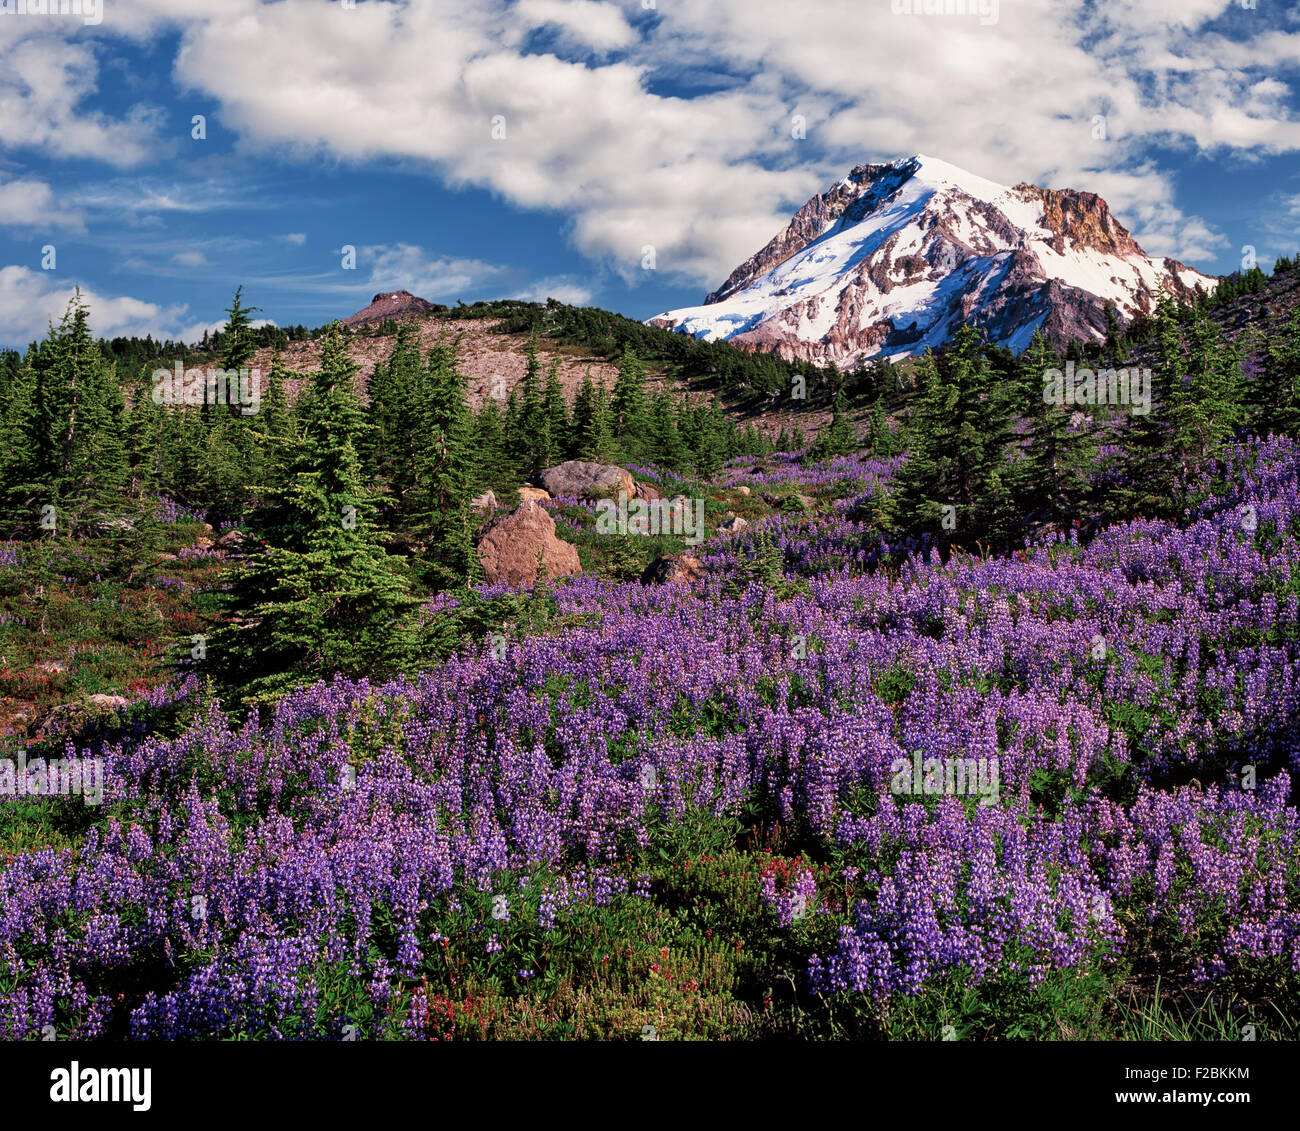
(582, 480)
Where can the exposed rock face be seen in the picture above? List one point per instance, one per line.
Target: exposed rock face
(508, 547)
(673, 569)
(582, 480)
(390, 304)
(895, 257)
(648, 491)
(533, 494)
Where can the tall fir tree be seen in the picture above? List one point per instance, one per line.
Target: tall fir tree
(535, 441)
(515, 449)
(593, 434)
(628, 406)
(557, 414)
(66, 423)
(839, 438)
(953, 485)
(1149, 481)
(1207, 404)
(1051, 477)
(274, 427)
(491, 466)
(144, 436)
(665, 441)
(1274, 393)
(395, 392)
(441, 514)
(319, 595)
(238, 344)
(711, 440)
(881, 441)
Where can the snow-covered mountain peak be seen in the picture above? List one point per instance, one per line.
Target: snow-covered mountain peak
(893, 257)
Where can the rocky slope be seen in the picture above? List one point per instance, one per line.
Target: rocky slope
(893, 258)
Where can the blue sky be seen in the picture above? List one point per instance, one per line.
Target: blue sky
(618, 127)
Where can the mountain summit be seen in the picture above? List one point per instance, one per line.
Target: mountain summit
(390, 304)
(893, 258)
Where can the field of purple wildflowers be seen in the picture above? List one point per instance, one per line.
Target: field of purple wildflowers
(721, 809)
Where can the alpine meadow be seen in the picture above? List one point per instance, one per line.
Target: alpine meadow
(482, 639)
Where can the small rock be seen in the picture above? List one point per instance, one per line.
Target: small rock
(485, 502)
(743, 491)
(110, 702)
(732, 525)
(648, 491)
(533, 495)
(230, 540)
(61, 717)
(673, 569)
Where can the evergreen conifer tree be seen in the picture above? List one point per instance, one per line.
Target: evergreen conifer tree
(445, 472)
(666, 446)
(1206, 405)
(962, 425)
(557, 415)
(1149, 470)
(628, 406)
(535, 443)
(839, 438)
(1052, 475)
(1275, 391)
(320, 595)
(592, 431)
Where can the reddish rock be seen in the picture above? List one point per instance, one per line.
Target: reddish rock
(533, 494)
(508, 547)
